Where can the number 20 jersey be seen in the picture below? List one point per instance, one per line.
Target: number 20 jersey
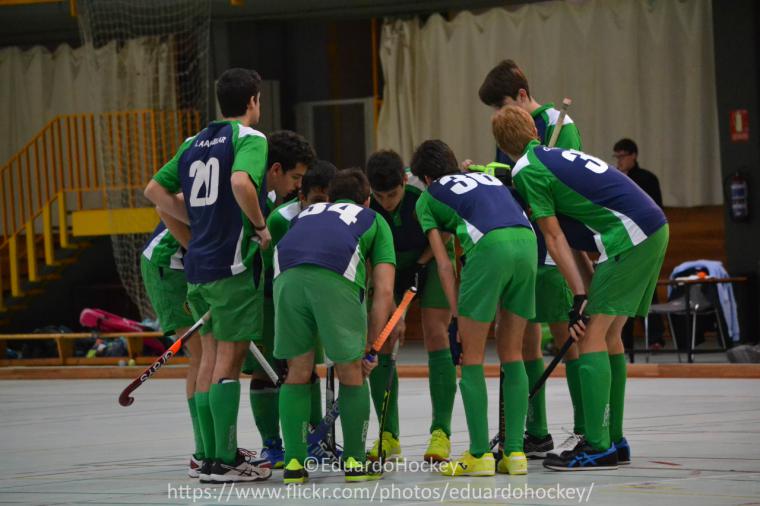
(339, 237)
(469, 205)
(221, 245)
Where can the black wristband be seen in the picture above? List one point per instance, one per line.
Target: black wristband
(262, 227)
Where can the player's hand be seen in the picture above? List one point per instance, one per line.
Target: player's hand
(367, 366)
(455, 341)
(577, 320)
(466, 163)
(398, 333)
(265, 238)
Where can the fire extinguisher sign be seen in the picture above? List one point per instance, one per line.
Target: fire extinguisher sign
(740, 125)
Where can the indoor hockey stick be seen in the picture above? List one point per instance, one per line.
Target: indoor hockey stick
(125, 398)
(560, 121)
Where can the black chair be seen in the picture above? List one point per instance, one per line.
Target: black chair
(700, 305)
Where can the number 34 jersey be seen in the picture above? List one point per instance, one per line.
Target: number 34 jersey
(340, 237)
(469, 205)
(565, 181)
(223, 241)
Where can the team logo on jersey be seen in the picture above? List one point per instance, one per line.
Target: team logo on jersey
(209, 143)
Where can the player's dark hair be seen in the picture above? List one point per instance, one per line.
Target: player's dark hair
(351, 184)
(289, 148)
(626, 145)
(234, 90)
(504, 80)
(385, 170)
(318, 176)
(433, 159)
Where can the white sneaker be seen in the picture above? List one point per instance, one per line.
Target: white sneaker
(194, 467)
(239, 471)
(569, 444)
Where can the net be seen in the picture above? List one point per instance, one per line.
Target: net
(156, 97)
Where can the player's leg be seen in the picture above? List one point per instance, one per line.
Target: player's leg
(236, 318)
(195, 349)
(295, 406)
(618, 366)
(537, 439)
(378, 381)
(561, 334)
(442, 375)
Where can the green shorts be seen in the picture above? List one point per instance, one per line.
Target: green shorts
(623, 285)
(236, 305)
(554, 299)
(266, 345)
(500, 271)
(433, 295)
(311, 301)
(167, 291)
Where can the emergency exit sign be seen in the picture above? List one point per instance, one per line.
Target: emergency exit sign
(740, 125)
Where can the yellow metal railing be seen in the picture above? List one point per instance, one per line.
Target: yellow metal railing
(83, 155)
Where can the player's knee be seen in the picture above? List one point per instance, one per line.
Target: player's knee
(262, 386)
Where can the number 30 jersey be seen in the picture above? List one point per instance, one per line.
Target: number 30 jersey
(222, 242)
(340, 237)
(585, 188)
(470, 205)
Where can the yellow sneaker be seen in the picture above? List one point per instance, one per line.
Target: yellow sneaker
(294, 472)
(356, 471)
(391, 448)
(439, 448)
(467, 465)
(515, 464)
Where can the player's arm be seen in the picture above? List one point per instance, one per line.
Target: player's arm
(247, 198)
(445, 268)
(177, 229)
(585, 267)
(167, 201)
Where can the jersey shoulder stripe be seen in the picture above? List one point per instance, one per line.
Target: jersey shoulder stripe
(245, 131)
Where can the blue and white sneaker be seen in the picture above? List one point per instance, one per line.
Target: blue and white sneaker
(584, 458)
(623, 452)
(273, 454)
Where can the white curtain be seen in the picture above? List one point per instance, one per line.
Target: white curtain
(642, 69)
(36, 85)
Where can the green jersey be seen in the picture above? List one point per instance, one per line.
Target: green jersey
(278, 223)
(223, 240)
(163, 250)
(558, 181)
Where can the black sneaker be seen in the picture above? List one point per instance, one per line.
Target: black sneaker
(623, 452)
(205, 471)
(239, 471)
(537, 447)
(584, 458)
(294, 472)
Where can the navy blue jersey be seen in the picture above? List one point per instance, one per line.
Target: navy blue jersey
(339, 237)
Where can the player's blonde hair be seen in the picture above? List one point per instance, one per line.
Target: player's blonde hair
(513, 129)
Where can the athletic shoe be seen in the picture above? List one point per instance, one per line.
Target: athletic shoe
(515, 464)
(356, 471)
(253, 458)
(584, 458)
(194, 467)
(467, 465)
(391, 448)
(572, 442)
(273, 454)
(439, 448)
(294, 473)
(238, 471)
(623, 452)
(537, 447)
(204, 473)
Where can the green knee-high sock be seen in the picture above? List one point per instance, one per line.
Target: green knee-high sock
(442, 380)
(206, 424)
(378, 380)
(315, 415)
(515, 391)
(295, 406)
(224, 399)
(617, 396)
(199, 452)
(265, 407)
(353, 402)
(573, 372)
(595, 383)
(536, 421)
(475, 399)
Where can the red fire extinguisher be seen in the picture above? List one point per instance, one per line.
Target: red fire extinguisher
(738, 196)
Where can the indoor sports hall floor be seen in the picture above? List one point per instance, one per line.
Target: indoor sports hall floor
(694, 442)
